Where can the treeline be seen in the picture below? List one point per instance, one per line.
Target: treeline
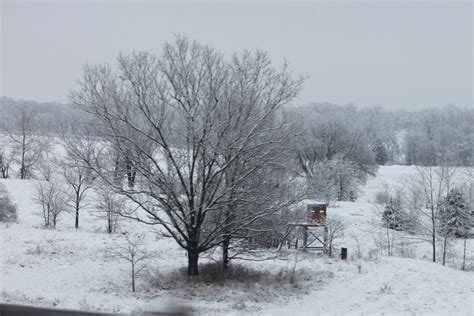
(418, 137)
(422, 137)
(50, 118)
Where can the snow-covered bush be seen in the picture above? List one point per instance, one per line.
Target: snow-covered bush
(7, 208)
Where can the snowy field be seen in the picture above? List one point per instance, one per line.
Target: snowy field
(70, 269)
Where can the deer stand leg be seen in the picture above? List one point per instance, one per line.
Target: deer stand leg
(305, 237)
(325, 240)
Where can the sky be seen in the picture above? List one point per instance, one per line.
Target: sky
(397, 54)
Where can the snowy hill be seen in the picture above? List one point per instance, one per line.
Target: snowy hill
(70, 269)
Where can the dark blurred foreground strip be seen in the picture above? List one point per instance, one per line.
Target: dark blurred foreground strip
(19, 310)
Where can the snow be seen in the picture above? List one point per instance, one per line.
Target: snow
(389, 285)
(70, 269)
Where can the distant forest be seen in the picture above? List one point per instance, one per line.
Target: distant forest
(417, 137)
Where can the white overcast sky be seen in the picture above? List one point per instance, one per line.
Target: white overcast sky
(397, 54)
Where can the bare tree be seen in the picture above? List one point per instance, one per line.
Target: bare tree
(182, 116)
(77, 176)
(469, 193)
(6, 157)
(336, 227)
(78, 182)
(334, 159)
(52, 201)
(133, 251)
(48, 168)
(321, 183)
(432, 183)
(27, 142)
(110, 205)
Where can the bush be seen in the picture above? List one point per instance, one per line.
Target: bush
(240, 285)
(7, 208)
(213, 273)
(394, 217)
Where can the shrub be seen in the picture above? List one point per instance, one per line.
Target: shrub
(213, 273)
(241, 285)
(7, 208)
(396, 218)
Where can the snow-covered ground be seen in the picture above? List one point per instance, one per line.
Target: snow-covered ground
(69, 269)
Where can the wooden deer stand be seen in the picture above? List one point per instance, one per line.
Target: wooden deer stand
(314, 226)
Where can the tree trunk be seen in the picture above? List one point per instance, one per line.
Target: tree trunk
(5, 172)
(226, 241)
(389, 250)
(22, 172)
(464, 255)
(116, 171)
(109, 222)
(131, 173)
(445, 245)
(133, 277)
(433, 241)
(3, 168)
(48, 215)
(434, 248)
(341, 189)
(76, 224)
(23, 167)
(225, 253)
(193, 258)
(131, 179)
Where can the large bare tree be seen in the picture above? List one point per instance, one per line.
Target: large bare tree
(185, 119)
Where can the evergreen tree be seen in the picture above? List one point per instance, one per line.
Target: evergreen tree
(455, 215)
(394, 217)
(381, 155)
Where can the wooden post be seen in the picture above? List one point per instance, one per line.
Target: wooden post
(343, 253)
